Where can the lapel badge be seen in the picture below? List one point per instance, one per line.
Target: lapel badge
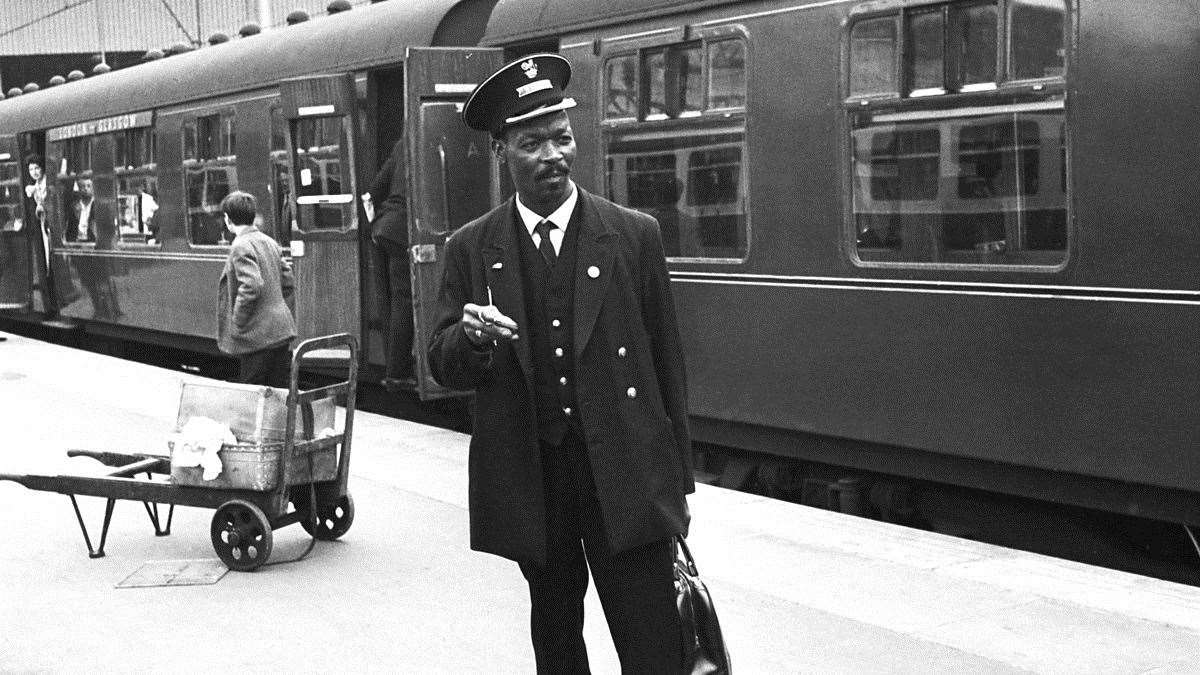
(498, 265)
(594, 272)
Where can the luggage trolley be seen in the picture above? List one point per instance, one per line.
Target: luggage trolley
(249, 508)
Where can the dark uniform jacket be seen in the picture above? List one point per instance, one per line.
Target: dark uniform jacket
(252, 313)
(388, 192)
(629, 370)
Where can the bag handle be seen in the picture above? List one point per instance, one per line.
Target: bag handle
(683, 553)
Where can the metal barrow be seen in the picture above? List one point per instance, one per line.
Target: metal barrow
(242, 526)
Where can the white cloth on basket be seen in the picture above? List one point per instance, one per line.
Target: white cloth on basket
(197, 443)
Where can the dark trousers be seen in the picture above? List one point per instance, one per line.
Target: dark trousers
(395, 286)
(636, 587)
(271, 366)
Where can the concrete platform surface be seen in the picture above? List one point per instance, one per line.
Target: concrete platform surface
(799, 590)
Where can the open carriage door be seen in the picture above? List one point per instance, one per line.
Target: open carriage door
(321, 118)
(451, 174)
(15, 227)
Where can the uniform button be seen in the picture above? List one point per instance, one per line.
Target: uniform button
(567, 411)
(558, 352)
(562, 380)
(556, 323)
(631, 392)
(621, 352)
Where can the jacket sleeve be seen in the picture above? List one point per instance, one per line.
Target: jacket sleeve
(287, 280)
(381, 185)
(453, 359)
(249, 284)
(658, 315)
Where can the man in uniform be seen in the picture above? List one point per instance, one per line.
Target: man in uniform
(556, 309)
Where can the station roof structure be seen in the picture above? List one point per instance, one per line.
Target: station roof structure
(32, 27)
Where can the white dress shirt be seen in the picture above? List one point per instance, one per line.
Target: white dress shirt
(561, 218)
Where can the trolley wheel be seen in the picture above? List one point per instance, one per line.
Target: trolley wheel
(333, 520)
(241, 535)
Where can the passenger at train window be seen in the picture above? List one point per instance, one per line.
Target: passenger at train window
(82, 227)
(389, 236)
(91, 219)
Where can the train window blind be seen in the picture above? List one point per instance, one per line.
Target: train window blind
(967, 164)
(667, 156)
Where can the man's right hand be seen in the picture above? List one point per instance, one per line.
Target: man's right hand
(486, 324)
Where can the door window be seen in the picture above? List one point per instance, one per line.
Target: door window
(324, 190)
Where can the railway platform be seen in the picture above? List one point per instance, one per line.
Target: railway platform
(798, 590)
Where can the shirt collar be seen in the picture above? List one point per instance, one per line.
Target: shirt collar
(561, 216)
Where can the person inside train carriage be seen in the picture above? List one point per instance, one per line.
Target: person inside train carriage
(91, 218)
(389, 235)
(253, 320)
(40, 235)
(556, 308)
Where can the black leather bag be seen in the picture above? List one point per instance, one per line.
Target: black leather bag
(704, 649)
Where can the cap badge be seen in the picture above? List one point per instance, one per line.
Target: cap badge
(530, 68)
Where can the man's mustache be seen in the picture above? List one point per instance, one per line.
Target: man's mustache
(554, 169)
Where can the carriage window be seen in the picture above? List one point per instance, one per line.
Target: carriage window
(873, 57)
(972, 190)
(1036, 37)
(904, 164)
(655, 63)
(137, 185)
(726, 74)
(11, 193)
(210, 173)
(689, 86)
(620, 75)
(76, 156)
(281, 177)
(673, 81)
(74, 191)
(324, 196)
(694, 186)
(975, 32)
(926, 66)
(980, 178)
(675, 161)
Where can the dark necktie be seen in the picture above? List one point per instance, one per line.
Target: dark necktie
(546, 248)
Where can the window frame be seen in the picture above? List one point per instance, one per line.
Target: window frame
(148, 169)
(1006, 92)
(225, 117)
(709, 120)
(59, 215)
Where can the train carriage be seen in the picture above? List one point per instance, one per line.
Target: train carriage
(944, 240)
(949, 241)
(301, 117)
